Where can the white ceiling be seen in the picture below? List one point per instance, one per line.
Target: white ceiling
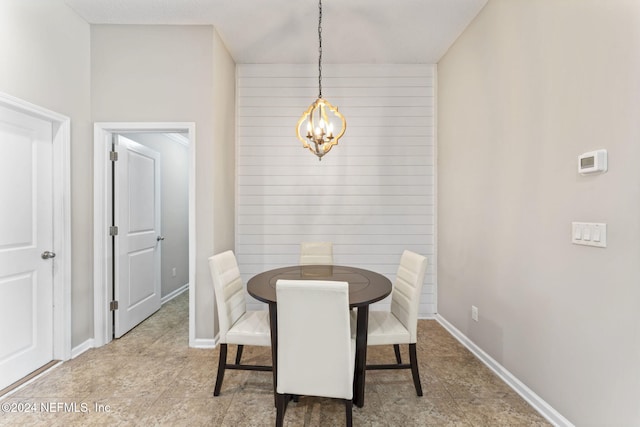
(285, 31)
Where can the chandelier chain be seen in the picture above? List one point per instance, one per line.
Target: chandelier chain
(320, 49)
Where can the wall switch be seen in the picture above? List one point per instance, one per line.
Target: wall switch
(474, 313)
(589, 234)
(577, 233)
(173, 272)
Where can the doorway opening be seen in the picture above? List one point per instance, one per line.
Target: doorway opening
(148, 134)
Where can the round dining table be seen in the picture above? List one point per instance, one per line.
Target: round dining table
(365, 288)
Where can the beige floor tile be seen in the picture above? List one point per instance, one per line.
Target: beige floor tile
(151, 377)
(509, 412)
(194, 411)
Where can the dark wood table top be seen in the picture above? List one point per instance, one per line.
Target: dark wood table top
(365, 286)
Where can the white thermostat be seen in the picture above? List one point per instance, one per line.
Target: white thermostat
(592, 162)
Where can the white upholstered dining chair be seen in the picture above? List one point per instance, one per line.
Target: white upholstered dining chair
(400, 325)
(316, 253)
(237, 325)
(316, 351)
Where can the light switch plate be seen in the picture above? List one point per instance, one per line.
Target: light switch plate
(589, 234)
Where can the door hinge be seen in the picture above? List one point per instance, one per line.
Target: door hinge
(113, 305)
(113, 156)
(113, 230)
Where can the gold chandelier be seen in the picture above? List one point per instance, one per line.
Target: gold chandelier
(322, 124)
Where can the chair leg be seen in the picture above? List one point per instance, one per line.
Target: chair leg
(349, 411)
(239, 354)
(222, 364)
(281, 407)
(413, 357)
(396, 349)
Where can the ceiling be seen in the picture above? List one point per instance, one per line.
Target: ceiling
(286, 31)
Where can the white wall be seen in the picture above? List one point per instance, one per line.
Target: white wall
(372, 195)
(169, 73)
(174, 207)
(45, 57)
(224, 137)
(528, 87)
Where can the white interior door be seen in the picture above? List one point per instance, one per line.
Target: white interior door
(26, 233)
(137, 244)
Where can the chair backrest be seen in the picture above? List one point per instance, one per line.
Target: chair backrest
(405, 298)
(316, 355)
(316, 253)
(228, 289)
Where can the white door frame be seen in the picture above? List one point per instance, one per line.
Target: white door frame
(103, 327)
(61, 133)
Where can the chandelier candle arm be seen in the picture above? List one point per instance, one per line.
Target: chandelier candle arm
(318, 122)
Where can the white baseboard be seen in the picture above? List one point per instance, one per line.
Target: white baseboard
(78, 350)
(553, 416)
(174, 294)
(203, 343)
(428, 317)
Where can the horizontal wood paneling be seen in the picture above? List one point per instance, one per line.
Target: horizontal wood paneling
(338, 239)
(385, 113)
(372, 195)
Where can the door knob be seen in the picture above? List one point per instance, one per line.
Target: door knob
(159, 238)
(47, 255)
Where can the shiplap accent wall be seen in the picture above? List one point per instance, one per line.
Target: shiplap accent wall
(372, 195)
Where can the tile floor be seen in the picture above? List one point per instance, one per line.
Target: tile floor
(151, 377)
